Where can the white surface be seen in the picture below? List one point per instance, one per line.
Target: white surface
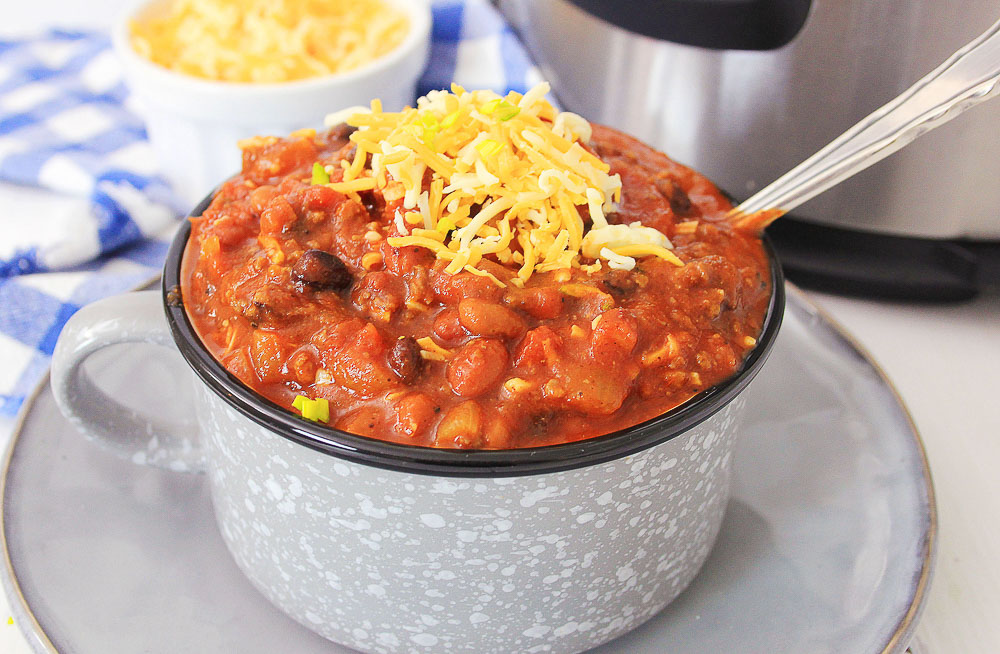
(944, 361)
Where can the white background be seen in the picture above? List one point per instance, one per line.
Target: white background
(944, 360)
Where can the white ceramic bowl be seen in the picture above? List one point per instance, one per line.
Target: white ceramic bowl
(194, 124)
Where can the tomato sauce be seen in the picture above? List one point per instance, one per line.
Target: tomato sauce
(295, 290)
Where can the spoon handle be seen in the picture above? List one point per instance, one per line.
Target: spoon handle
(966, 78)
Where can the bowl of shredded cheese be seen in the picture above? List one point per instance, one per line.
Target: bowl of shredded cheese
(207, 73)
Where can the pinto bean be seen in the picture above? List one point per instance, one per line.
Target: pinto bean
(484, 318)
(594, 393)
(476, 367)
(405, 360)
(461, 427)
(321, 271)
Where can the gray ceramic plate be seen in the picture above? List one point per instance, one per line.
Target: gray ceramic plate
(826, 546)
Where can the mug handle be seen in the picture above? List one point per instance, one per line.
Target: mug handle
(130, 318)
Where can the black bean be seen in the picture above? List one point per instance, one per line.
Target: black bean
(371, 204)
(321, 271)
(679, 201)
(405, 359)
(341, 132)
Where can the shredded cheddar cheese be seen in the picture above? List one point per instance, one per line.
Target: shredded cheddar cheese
(267, 40)
(508, 179)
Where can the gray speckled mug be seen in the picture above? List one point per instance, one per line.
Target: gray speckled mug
(393, 548)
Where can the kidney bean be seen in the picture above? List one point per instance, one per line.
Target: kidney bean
(543, 303)
(484, 318)
(414, 414)
(497, 435)
(451, 289)
(340, 133)
(277, 217)
(614, 337)
(321, 271)
(461, 427)
(592, 391)
(405, 360)
(447, 328)
(260, 197)
(477, 367)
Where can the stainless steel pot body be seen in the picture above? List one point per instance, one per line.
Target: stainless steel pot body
(744, 117)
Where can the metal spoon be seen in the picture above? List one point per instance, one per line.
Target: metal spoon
(966, 78)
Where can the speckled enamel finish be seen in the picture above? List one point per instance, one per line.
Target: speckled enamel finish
(387, 561)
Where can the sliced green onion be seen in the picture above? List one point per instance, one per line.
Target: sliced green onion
(445, 225)
(490, 106)
(320, 175)
(450, 119)
(317, 410)
(508, 112)
(488, 147)
(430, 133)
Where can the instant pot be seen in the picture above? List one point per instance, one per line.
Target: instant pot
(743, 90)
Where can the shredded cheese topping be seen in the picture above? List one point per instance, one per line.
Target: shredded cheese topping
(267, 40)
(506, 177)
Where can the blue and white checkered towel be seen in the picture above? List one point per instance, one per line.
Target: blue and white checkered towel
(85, 214)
